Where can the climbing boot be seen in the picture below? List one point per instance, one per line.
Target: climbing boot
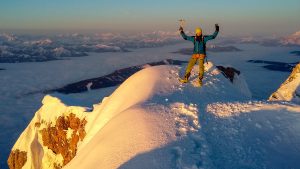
(185, 79)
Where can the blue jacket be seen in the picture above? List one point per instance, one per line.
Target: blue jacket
(199, 44)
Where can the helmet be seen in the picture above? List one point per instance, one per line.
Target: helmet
(198, 31)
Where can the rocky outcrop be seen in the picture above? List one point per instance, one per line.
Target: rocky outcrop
(17, 159)
(62, 138)
(236, 78)
(228, 72)
(290, 89)
(56, 138)
(52, 138)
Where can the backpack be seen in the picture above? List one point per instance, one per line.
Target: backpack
(204, 45)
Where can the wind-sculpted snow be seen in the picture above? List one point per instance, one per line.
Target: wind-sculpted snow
(17, 109)
(290, 89)
(153, 121)
(135, 119)
(253, 134)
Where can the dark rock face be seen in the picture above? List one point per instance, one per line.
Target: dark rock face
(275, 66)
(113, 79)
(297, 53)
(228, 72)
(17, 159)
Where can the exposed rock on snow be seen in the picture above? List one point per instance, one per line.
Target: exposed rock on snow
(45, 142)
(229, 72)
(55, 138)
(17, 159)
(290, 89)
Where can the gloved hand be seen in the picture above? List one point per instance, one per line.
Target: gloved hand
(180, 29)
(217, 27)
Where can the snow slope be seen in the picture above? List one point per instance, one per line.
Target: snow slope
(290, 89)
(153, 121)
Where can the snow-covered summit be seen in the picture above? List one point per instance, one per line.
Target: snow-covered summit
(153, 121)
(8, 37)
(41, 42)
(107, 47)
(61, 52)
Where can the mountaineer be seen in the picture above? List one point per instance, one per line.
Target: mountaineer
(199, 52)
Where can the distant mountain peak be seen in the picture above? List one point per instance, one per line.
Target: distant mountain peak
(293, 39)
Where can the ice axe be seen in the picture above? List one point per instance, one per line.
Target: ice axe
(182, 22)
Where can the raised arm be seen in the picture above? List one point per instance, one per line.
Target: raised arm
(214, 35)
(184, 36)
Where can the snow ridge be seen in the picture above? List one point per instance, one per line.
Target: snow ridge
(165, 124)
(290, 89)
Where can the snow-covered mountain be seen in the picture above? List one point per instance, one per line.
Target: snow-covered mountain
(24, 48)
(293, 39)
(290, 89)
(153, 121)
(61, 52)
(8, 37)
(41, 42)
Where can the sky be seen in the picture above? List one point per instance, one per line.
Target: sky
(235, 17)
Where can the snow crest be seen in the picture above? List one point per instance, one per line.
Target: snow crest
(290, 89)
(153, 121)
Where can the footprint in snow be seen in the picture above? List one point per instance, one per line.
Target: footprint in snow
(258, 125)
